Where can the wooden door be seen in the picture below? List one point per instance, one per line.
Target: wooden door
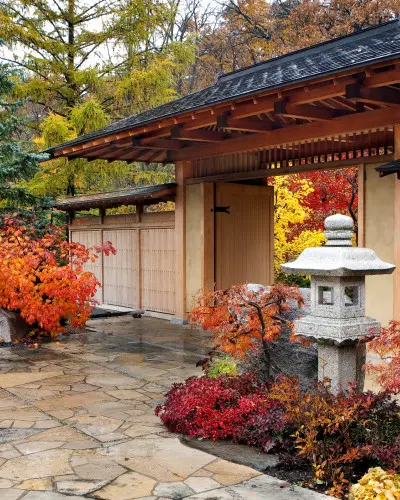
(244, 238)
(157, 257)
(121, 274)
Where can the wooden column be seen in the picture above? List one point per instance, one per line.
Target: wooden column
(139, 284)
(207, 236)
(396, 229)
(183, 170)
(361, 206)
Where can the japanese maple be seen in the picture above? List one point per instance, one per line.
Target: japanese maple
(387, 346)
(42, 276)
(245, 316)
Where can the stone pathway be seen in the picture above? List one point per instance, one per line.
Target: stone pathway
(77, 421)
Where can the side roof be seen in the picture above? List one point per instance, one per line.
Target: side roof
(146, 195)
(369, 46)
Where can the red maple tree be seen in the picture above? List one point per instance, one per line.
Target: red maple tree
(243, 316)
(387, 346)
(42, 276)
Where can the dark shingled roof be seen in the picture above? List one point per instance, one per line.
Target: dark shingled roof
(372, 45)
(147, 195)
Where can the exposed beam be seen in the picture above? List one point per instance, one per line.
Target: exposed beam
(383, 78)
(305, 111)
(145, 155)
(381, 95)
(130, 156)
(169, 144)
(315, 130)
(196, 135)
(246, 125)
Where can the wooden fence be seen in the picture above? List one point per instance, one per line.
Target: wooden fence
(142, 273)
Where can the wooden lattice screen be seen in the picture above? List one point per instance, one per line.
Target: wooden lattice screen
(330, 152)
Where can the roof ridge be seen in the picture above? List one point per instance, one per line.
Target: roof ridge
(236, 73)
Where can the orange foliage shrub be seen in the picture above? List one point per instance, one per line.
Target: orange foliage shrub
(387, 346)
(340, 435)
(42, 276)
(245, 315)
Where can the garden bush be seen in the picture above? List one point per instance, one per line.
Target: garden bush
(227, 407)
(341, 435)
(220, 366)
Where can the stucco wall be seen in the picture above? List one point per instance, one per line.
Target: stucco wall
(193, 243)
(379, 235)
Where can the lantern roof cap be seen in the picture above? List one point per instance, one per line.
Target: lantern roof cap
(338, 257)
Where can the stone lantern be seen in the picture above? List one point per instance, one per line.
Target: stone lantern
(337, 319)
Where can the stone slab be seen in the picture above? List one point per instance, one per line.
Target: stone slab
(261, 488)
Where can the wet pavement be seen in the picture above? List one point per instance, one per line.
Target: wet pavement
(77, 420)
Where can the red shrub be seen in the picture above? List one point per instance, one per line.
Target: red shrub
(228, 407)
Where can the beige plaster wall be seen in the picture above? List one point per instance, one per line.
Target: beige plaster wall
(193, 243)
(379, 235)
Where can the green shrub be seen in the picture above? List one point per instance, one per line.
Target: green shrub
(224, 366)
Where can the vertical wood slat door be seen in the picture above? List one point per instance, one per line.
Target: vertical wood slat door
(121, 275)
(89, 239)
(157, 247)
(244, 238)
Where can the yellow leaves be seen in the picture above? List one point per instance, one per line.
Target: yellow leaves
(377, 484)
(290, 212)
(56, 129)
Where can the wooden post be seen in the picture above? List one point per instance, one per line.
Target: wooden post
(361, 206)
(396, 229)
(207, 236)
(102, 214)
(139, 213)
(183, 170)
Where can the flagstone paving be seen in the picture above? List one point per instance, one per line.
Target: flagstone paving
(77, 421)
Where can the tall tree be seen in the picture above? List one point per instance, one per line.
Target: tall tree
(17, 163)
(70, 48)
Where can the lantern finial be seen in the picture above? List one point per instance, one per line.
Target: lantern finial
(339, 231)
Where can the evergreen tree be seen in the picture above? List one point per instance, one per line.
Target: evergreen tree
(17, 163)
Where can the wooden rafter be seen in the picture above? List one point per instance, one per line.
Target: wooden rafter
(168, 144)
(306, 111)
(381, 95)
(196, 135)
(314, 130)
(226, 121)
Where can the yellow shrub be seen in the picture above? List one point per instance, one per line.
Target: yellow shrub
(376, 485)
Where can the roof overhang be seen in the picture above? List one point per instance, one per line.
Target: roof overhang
(390, 168)
(147, 195)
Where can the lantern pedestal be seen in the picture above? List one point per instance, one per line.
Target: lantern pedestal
(342, 365)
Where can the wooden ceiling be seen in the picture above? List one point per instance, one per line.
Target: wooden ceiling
(368, 99)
